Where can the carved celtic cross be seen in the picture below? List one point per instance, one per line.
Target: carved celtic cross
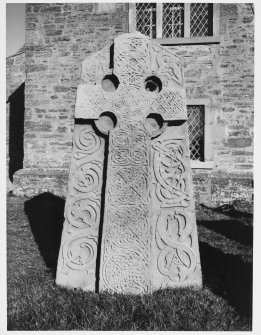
(138, 232)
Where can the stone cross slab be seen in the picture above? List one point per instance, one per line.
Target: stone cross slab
(145, 238)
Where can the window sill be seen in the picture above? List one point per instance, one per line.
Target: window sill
(201, 165)
(189, 40)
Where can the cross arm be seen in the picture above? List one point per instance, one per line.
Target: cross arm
(91, 102)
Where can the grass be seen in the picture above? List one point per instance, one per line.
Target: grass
(36, 303)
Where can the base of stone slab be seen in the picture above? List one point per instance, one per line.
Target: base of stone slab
(76, 281)
(31, 182)
(194, 287)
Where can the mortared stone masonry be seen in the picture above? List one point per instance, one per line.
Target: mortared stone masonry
(220, 76)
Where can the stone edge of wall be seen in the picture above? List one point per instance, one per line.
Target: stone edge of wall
(31, 182)
(211, 189)
(218, 188)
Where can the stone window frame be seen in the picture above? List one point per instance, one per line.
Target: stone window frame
(215, 38)
(196, 131)
(208, 144)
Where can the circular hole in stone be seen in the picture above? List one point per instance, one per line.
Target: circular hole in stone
(106, 122)
(153, 84)
(110, 83)
(155, 124)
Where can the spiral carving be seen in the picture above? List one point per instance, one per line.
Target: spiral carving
(86, 141)
(88, 177)
(83, 213)
(79, 253)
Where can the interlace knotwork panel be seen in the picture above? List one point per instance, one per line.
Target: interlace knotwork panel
(168, 65)
(171, 172)
(175, 249)
(135, 59)
(125, 265)
(77, 259)
(96, 66)
(129, 68)
(126, 233)
(174, 238)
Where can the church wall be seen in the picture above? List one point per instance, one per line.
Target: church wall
(15, 72)
(59, 37)
(220, 76)
(15, 77)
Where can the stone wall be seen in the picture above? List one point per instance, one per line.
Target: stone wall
(58, 38)
(218, 188)
(235, 153)
(15, 71)
(220, 76)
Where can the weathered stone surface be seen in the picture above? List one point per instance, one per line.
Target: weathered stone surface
(149, 237)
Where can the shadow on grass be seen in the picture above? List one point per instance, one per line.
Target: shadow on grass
(225, 274)
(45, 213)
(232, 211)
(237, 224)
(228, 276)
(233, 229)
